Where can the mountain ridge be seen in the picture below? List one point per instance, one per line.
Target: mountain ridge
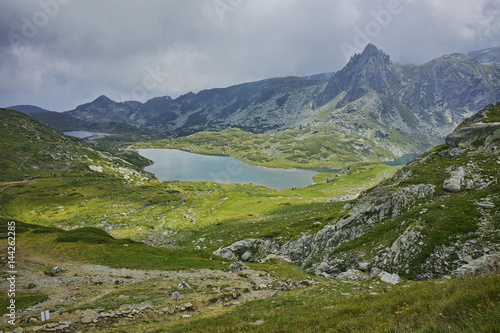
(418, 104)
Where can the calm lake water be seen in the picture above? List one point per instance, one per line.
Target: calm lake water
(84, 134)
(172, 164)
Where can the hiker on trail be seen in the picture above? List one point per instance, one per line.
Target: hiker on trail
(176, 295)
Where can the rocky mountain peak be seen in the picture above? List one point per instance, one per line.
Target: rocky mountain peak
(371, 55)
(99, 103)
(371, 69)
(102, 100)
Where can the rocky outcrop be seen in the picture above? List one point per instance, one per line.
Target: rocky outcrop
(464, 137)
(483, 265)
(370, 210)
(430, 239)
(251, 250)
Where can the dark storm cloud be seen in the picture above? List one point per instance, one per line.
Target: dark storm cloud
(60, 53)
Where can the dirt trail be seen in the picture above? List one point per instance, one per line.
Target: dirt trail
(82, 295)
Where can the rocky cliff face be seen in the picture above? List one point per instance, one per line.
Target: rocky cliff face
(425, 102)
(438, 215)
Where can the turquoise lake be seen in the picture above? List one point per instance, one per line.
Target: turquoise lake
(173, 164)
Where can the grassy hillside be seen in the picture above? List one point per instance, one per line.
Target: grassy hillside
(29, 147)
(96, 215)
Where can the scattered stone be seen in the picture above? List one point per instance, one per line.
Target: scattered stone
(486, 204)
(258, 322)
(363, 266)
(381, 134)
(184, 285)
(187, 307)
(467, 259)
(225, 253)
(237, 266)
(454, 183)
(18, 330)
(324, 268)
(95, 168)
(353, 274)
(375, 272)
(55, 270)
(389, 278)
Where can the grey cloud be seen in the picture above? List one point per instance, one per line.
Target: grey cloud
(90, 47)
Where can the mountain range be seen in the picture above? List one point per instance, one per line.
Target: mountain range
(85, 214)
(372, 101)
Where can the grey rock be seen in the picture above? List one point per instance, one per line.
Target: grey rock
(183, 285)
(375, 272)
(249, 250)
(55, 270)
(187, 307)
(486, 204)
(486, 264)
(381, 134)
(454, 183)
(325, 269)
(246, 256)
(363, 266)
(225, 253)
(353, 274)
(237, 267)
(464, 137)
(389, 278)
(383, 203)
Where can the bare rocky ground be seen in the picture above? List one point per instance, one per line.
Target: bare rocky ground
(93, 298)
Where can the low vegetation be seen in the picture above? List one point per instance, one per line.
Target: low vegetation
(87, 206)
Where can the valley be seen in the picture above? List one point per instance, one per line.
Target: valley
(103, 244)
(162, 235)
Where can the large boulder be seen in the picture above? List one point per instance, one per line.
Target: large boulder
(454, 183)
(480, 266)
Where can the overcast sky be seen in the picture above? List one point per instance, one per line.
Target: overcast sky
(58, 54)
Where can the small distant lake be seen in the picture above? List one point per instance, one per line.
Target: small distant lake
(173, 164)
(85, 134)
(402, 160)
